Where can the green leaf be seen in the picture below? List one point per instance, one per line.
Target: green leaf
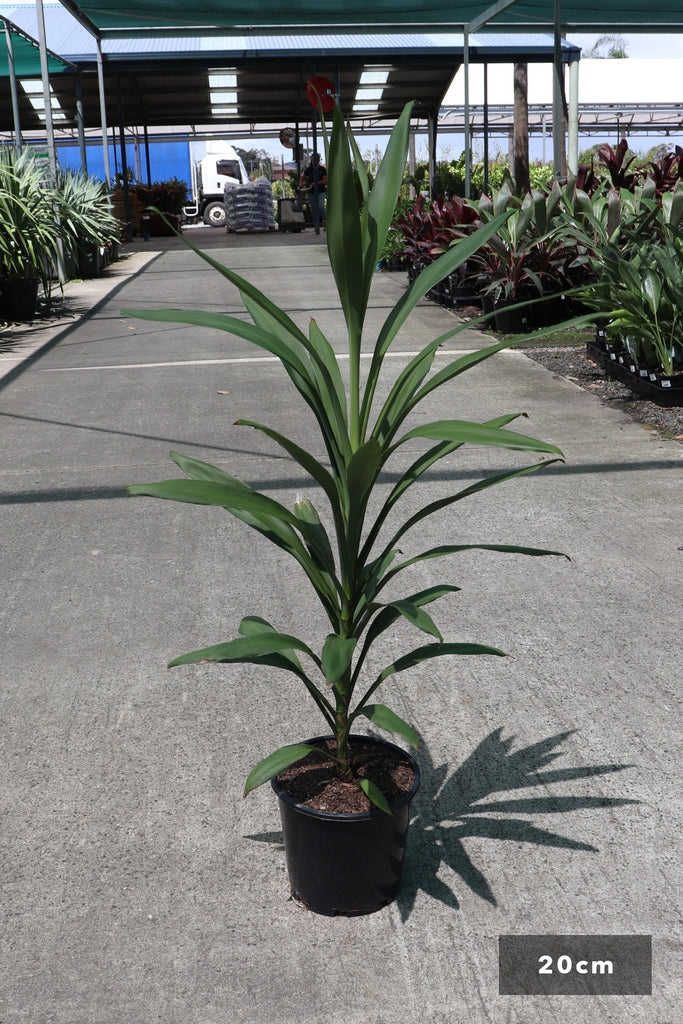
(454, 549)
(389, 613)
(361, 475)
(384, 718)
(261, 513)
(336, 658)
(676, 209)
(375, 795)
(288, 353)
(430, 651)
(428, 278)
(387, 185)
(343, 229)
(230, 494)
(652, 287)
(466, 432)
(319, 544)
(308, 462)
(417, 617)
(360, 168)
(254, 625)
(246, 649)
(275, 763)
(327, 361)
(245, 288)
(362, 472)
(436, 506)
(415, 471)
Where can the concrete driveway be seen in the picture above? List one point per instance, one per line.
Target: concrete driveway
(137, 885)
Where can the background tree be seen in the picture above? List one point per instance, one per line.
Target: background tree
(257, 162)
(612, 47)
(521, 131)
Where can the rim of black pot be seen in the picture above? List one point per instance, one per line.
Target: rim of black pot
(361, 815)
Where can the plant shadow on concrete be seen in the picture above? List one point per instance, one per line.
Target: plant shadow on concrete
(454, 807)
(451, 809)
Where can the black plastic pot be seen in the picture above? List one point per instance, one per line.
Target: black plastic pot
(346, 863)
(511, 321)
(20, 298)
(652, 382)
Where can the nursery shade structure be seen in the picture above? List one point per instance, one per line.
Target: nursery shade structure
(167, 15)
(20, 58)
(21, 53)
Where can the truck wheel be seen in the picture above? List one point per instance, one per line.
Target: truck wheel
(214, 215)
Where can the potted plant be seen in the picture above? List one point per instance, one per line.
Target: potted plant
(642, 289)
(163, 197)
(90, 232)
(30, 238)
(350, 553)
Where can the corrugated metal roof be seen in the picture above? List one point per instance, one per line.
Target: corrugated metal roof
(68, 37)
(607, 15)
(158, 81)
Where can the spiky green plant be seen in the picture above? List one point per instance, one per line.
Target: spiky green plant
(84, 213)
(29, 227)
(350, 565)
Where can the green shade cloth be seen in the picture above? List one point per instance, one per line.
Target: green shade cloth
(283, 14)
(26, 55)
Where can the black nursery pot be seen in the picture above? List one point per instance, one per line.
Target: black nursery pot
(346, 863)
(20, 298)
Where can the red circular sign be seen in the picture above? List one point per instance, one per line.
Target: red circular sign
(321, 91)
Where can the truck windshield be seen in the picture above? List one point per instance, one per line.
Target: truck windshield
(230, 168)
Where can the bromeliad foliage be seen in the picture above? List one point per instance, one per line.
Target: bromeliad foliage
(351, 565)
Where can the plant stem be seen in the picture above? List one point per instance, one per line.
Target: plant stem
(343, 726)
(354, 370)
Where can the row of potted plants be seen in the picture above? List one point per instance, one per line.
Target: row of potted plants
(46, 228)
(584, 245)
(168, 198)
(642, 289)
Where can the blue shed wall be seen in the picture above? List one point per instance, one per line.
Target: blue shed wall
(166, 159)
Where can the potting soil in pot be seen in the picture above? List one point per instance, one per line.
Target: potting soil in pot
(313, 781)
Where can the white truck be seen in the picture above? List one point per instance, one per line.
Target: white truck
(210, 174)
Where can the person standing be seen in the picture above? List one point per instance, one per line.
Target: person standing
(313, 181)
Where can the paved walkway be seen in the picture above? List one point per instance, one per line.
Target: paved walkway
(137, 885)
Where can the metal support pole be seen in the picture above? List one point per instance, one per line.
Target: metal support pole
(558, 124)
(468, 151)
(431, 155)
(316, 187)
(49, 131)
(47, 98)
(147, 161)
(124, 167)
(103, 113)
(80, 125)
(13, 88)
(486, 129)
(573, 121)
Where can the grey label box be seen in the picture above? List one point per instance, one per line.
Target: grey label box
(575, 965)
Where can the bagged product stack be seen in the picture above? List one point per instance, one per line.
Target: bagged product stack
(250, 207)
